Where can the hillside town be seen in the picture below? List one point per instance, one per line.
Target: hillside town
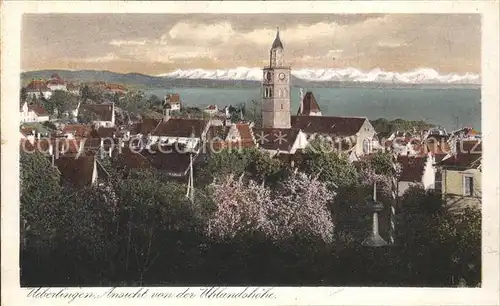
(81, 138)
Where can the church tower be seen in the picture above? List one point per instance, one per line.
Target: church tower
(276, 89)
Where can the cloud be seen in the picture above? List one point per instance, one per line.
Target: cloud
(120, 43)
(106, 58)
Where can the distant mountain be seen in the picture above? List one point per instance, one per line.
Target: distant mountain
(250, 77)
(349, 75)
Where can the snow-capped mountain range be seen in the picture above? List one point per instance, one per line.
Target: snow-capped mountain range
(418, 76)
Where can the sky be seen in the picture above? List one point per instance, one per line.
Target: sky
(160, 43)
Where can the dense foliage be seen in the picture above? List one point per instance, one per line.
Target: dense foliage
(385, 127)
(253, 221)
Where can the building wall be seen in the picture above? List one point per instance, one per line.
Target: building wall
(453, 188)
(429, 175)
(276, 107)
(366, 132)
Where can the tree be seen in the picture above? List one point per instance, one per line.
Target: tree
(298, 209)
(155, 103)
(330, 166)
(39, 196)
(254, 113)
(60, 102)
(85, 92)
(23, 95)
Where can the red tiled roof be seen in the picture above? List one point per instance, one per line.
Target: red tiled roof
(462, 160)
(219, 145)
(276, 139)
(56, 82)
(37, 86)
(412, 168)
(104, 112)
(217, 131)
(309, 105)
(39, 110)
(76, 171)
(245, 132)
(145, 127)
(79, 130)
(173, 98)
(106, 132)
(177, 127)
(211, 107)
(341, 126)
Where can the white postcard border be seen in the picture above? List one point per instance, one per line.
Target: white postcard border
(487, 295)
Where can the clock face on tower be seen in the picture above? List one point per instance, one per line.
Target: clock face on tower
(281, 76)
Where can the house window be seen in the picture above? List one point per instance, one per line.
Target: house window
(438, 182)
(366, 146)
(281, 105)
(468, 186)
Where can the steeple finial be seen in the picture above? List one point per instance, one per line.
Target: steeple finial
(277, 41)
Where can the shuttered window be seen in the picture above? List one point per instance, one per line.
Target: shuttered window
(468, 186)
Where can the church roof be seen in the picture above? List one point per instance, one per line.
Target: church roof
(341, 126)
(277, 41)
(309, 105)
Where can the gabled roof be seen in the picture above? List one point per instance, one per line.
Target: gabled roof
(173, 98)
(276, 139)
(37, 86)
(38, 110)
(104, 112)
(211, 107)
(76, 171)
(178, 127)
(309, 105)
(340, 126)
(462, 161)
(245, 131)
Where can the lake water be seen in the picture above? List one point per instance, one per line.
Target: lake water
(437, 106)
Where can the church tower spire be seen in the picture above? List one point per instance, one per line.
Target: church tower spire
(276, 52)
(276, 89)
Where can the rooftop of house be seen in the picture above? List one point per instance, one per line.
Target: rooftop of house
(461, 161)
(412, 168)
(276, 139)
(309, 105)
(104, 112)
(217, 132)
(228, 144)
(171, 161)
(245, 131)
(145, 127)
(178, 127)
(38, 109)
(340, 126)
(78, 172)
(37, 86)
(78, 130)
(211, 107)
(173, 98)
